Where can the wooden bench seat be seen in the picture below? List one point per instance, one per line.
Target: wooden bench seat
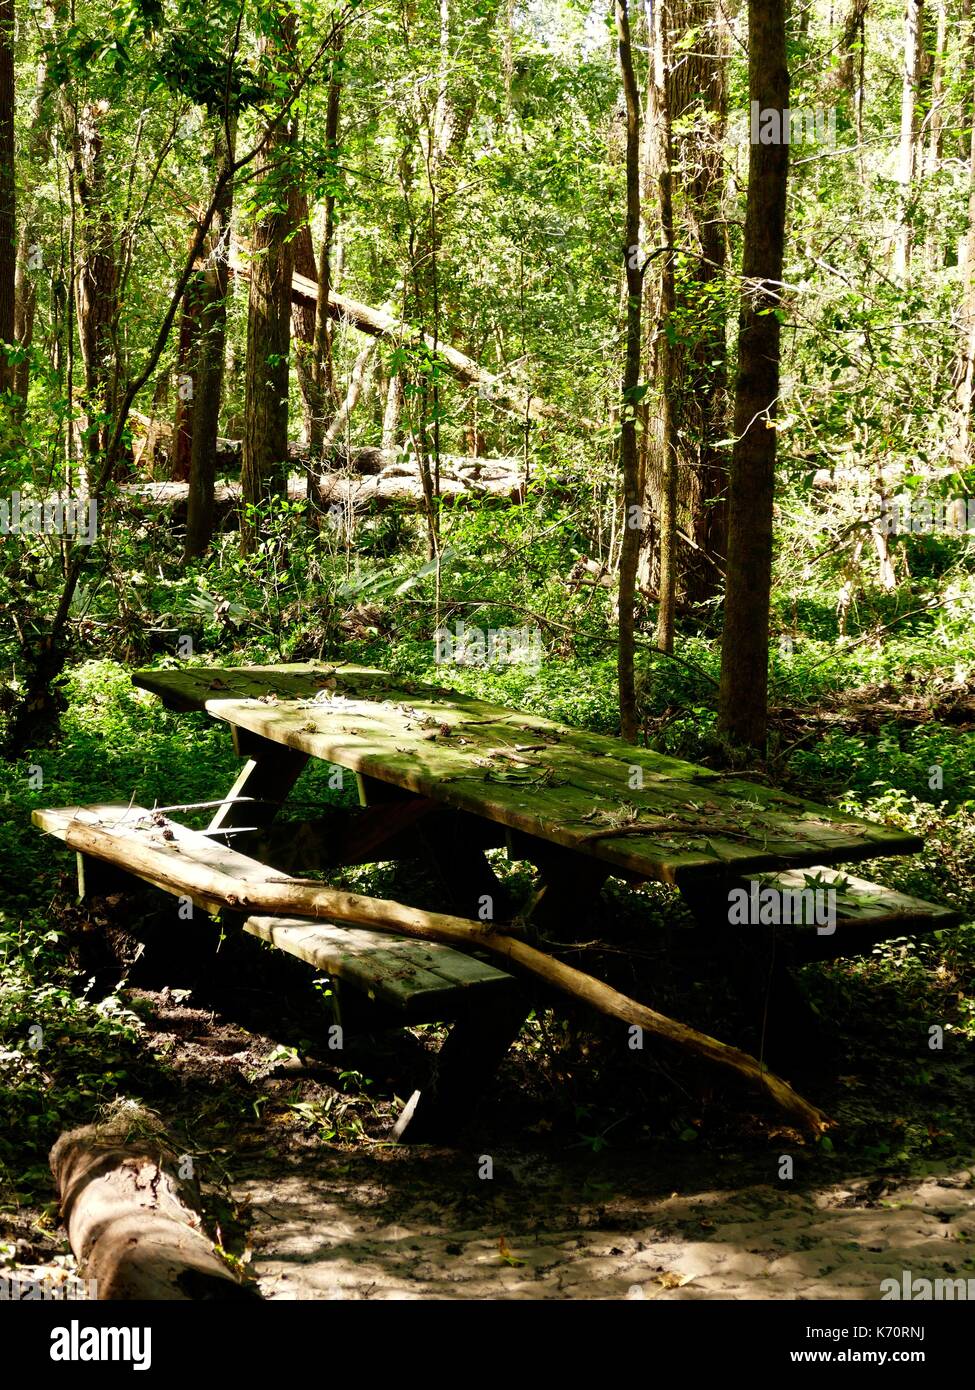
(866, 913)
(420, 979)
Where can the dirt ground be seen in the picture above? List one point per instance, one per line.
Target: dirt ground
(394, 1225)
(520, 1212)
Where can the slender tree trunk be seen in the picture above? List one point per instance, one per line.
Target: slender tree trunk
(392, 411)
(690, 365)
(322, 356)
(629, 447)
(966, 368)
(907, 157)
(303, 323)
(743, 699)
(97, 279)
(666, 363)
(186, 358)
(358, 382)
(211, 346)
(264, 460)
(8, 195)
(26, 309)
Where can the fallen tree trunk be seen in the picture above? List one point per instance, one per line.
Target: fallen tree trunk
(380, 491)
(379, 323)
(296, 897)
(132, 1224)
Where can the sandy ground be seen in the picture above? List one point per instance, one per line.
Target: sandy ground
(393, 1225)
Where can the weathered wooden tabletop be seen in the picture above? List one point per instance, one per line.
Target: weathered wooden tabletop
(578, 790)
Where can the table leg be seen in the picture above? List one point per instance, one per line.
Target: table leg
(449, 840)
(757, 961)
(468, 1060)
(569, 888)
(266, 779)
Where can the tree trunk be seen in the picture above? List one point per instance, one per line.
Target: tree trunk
(907, 156)
(97, 278)
(667, 367)
(690, 365)
(26, 309)
(265, 452)
(8, 197)
(322, 359)
(132, 1222)
(211, 347)
(358, 382)
(743, 701)
(629, 448)
(303, 315)
(392, 411)
(186, 359)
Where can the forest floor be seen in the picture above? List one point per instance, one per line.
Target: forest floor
(356, 1217)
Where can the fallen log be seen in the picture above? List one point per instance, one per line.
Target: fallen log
(132, 1223)
(379, 490)
(379, 323)
(297, 897)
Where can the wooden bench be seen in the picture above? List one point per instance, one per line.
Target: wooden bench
(866, 913)
(419, 980)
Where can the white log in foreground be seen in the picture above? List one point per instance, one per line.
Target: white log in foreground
(132, 1223)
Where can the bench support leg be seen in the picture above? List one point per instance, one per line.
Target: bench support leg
(464, 1068)
(267, 777)
(757, 966)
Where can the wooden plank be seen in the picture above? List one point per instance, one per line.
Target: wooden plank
(669, 830)
(420, 977)
(399, 970)
(870, 904)
(264, 782)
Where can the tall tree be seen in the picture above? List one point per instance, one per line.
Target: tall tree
(629, 446)
(212, 289)
(8, 194)
(687, 112)
(907, 159)
(743, 699)
(264, 460)
(96, 278)
(664, 465)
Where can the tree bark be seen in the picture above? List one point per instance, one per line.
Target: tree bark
(689, 365)
(132, 1222)
(97, 279)
(629, 447)
(666, 358)
(743, 699)
(322, 358)
(263, 465)
(8, 196)
(214, 288)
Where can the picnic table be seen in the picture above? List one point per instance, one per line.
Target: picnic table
(447, 776)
